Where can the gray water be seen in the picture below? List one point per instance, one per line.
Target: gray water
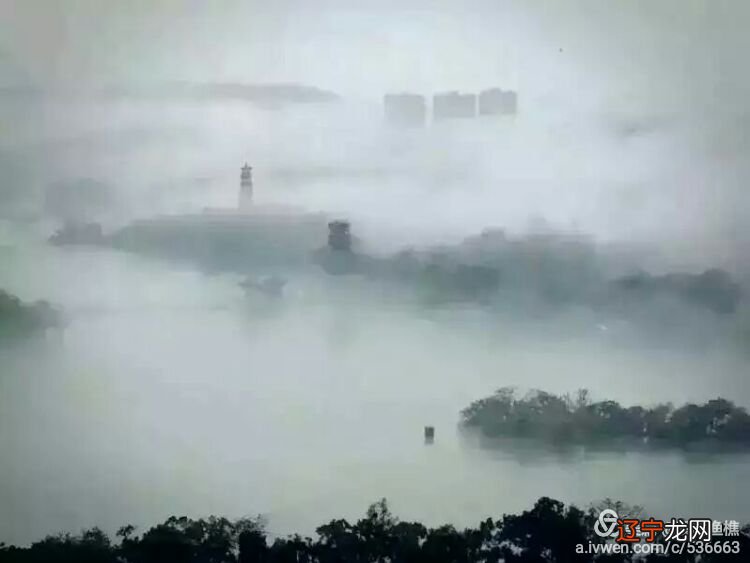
(172, 393)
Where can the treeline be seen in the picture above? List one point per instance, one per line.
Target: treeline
(549, 532)
(549, 269)
(579, 420)
(19, 319)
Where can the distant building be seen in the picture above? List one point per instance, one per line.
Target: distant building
(405, 110)
(339, 235)
(246, 187)
(491, 101)
(452, 105)
(497, 102)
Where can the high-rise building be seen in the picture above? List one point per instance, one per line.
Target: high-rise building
(497, 102)
(450, 105)
(510, 102)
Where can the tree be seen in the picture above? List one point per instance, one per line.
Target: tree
(547, 532)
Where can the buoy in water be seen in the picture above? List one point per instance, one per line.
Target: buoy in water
(429, 435)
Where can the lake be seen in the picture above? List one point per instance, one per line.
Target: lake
(171, 392)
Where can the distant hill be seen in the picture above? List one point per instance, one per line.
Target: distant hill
(261, 94)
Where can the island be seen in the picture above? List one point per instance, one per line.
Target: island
(577, 420)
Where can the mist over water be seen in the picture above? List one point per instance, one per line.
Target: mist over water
(171, 391)
(670, 184)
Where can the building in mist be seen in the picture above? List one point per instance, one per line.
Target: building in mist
(405, 110)
(452, 105)
(246, 187)
(498, 102)
(339, 236)
(510, 102)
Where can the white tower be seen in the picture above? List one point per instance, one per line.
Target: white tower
(246, 187)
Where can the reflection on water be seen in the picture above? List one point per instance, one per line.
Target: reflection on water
(172, 393)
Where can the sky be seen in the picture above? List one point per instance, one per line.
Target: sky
(668, 53)
(664, 80)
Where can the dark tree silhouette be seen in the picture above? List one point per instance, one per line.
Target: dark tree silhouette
(547, 533)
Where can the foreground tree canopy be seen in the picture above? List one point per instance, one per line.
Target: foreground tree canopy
(578, 420)
(549, 532)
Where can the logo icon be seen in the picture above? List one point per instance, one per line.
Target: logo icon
(606, 524)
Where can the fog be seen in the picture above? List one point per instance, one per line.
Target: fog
(170, 391)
